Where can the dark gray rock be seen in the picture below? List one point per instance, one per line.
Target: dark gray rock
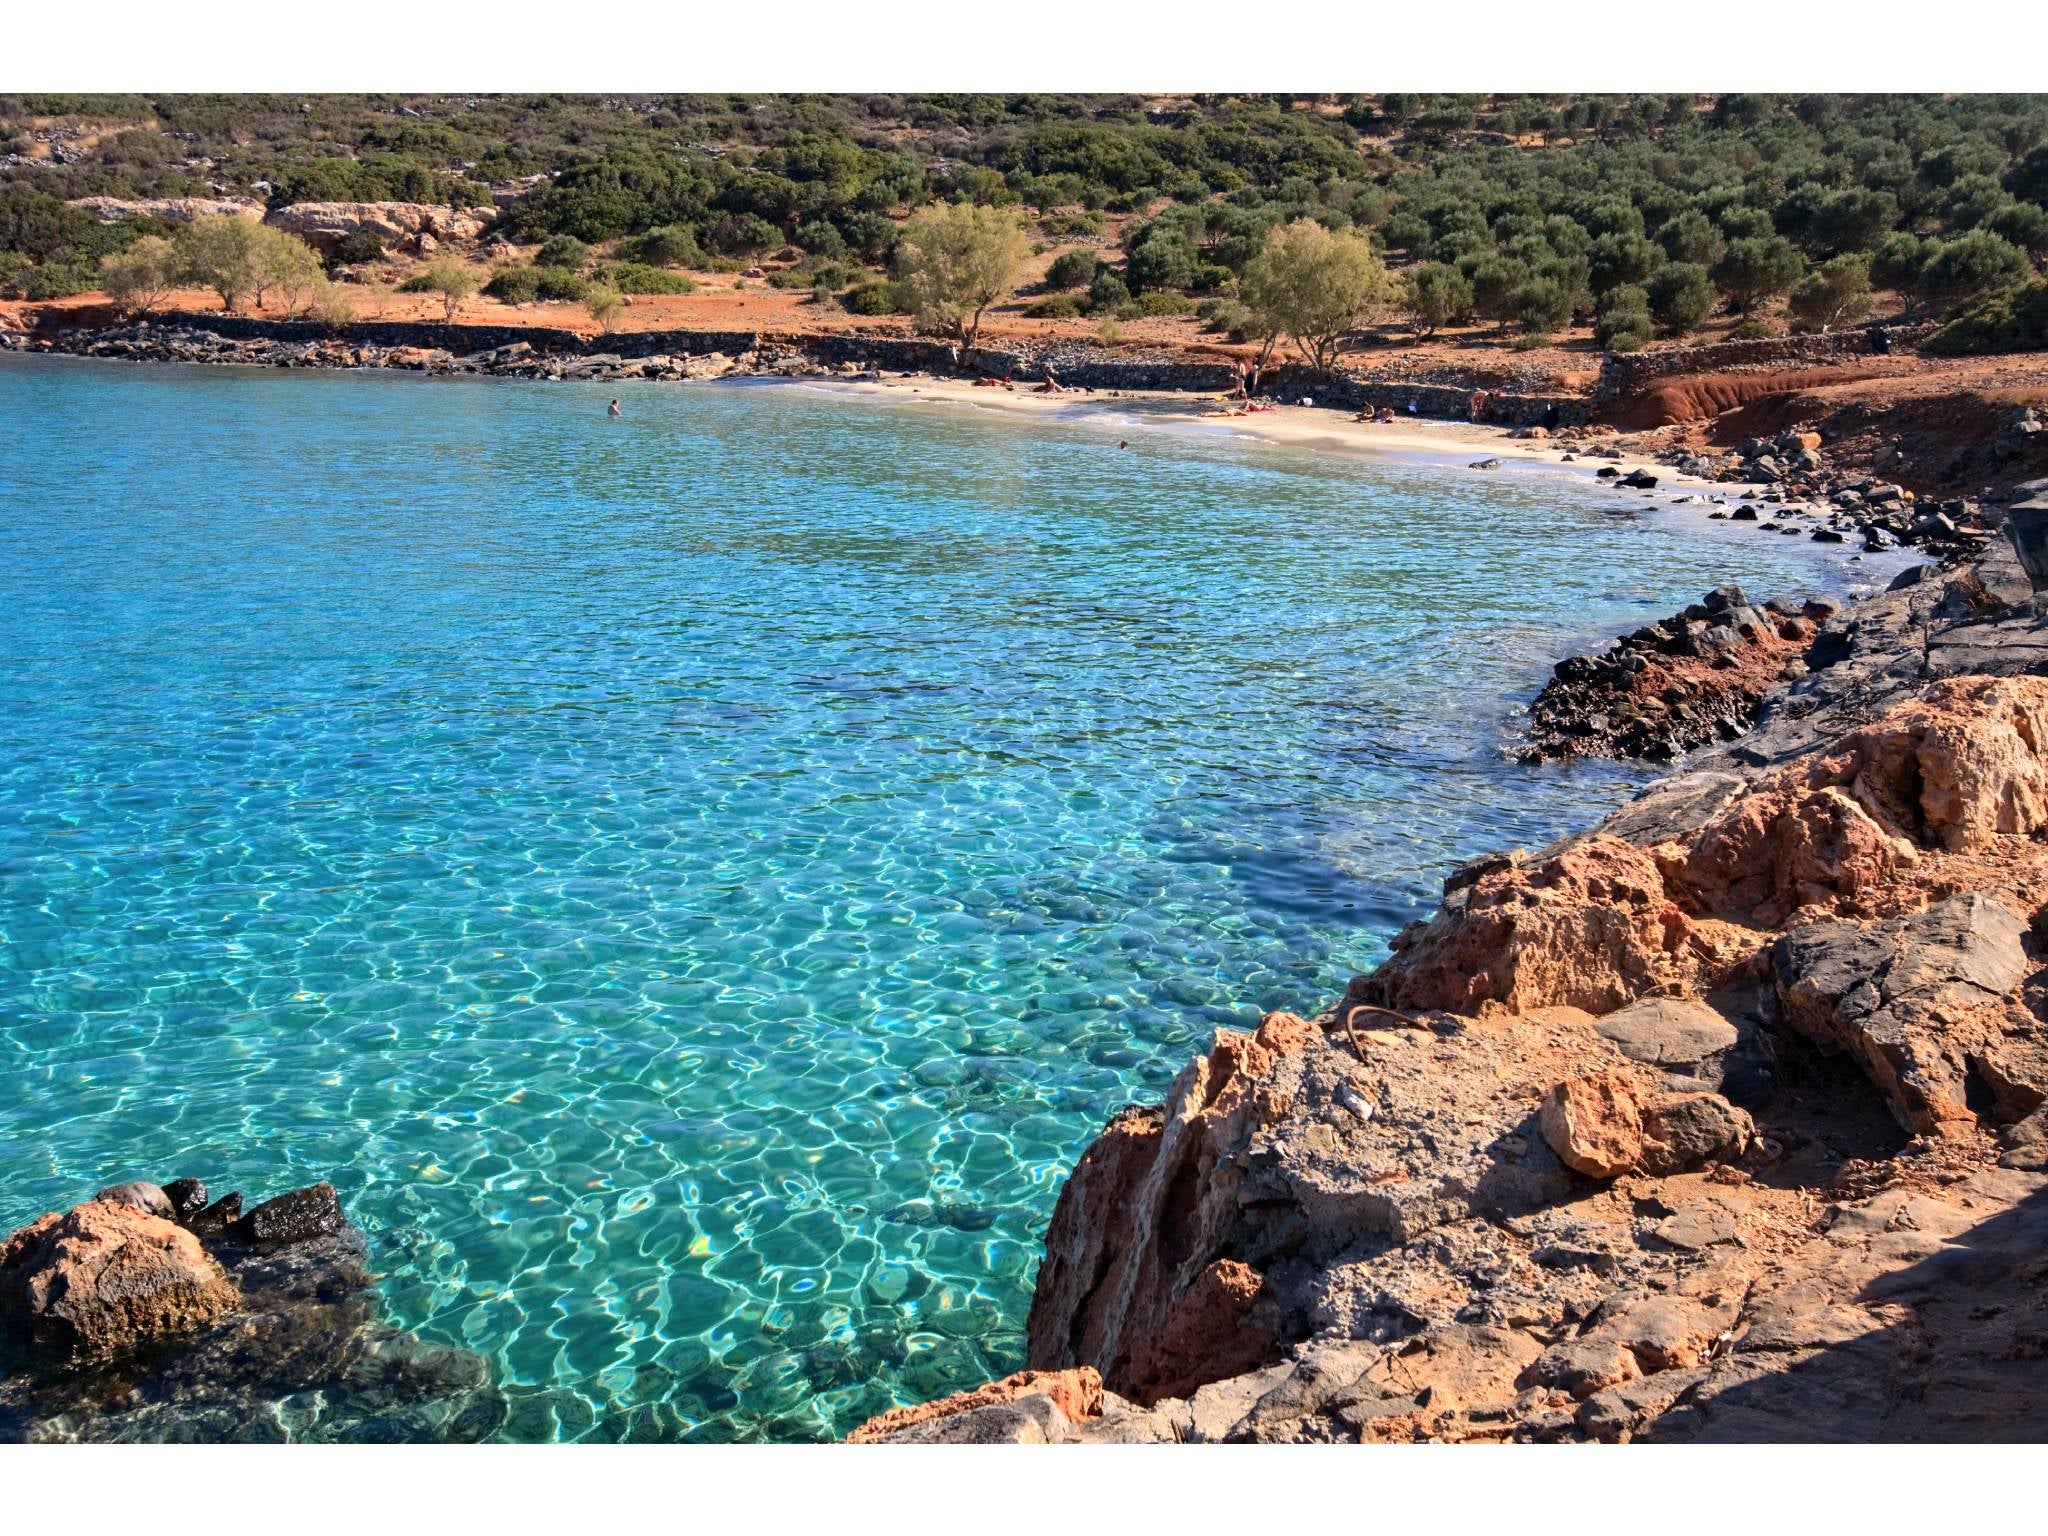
(314, 1211)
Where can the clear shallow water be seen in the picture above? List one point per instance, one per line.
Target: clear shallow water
(695, 882)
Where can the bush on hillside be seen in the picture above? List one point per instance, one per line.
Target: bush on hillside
(1072, 269)
(2013, 320)
(1107, 293)
(874, 298)
(637, 277)
(672, 245)
(356, 248)
(1978, 262)
(1061, 306)
(562, 251)
(58, 280)
(1623, 321)
(559, 283)
(513, 285)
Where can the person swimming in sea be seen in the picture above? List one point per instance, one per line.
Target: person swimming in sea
(613, 409)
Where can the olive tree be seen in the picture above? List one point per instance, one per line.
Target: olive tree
(1835, 293)
(1969, 265)
(1681, 296)
(1438, 295)
(956, 259)
(141, 277)
(222, 253)
(1316, 286)
(1754, 269)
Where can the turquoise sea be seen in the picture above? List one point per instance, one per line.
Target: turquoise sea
(694, 882)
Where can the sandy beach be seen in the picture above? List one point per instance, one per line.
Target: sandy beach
(1297, 426)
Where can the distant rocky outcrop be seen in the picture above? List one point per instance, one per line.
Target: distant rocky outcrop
(173, 210)
(418, 227)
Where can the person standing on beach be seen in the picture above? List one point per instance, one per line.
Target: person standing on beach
(614, 410)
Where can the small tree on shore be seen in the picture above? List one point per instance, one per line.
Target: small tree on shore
(221, 253)
(286, 265)
(330, 306)
(956, 259)
(452, 282)
(1316, 287)
(604, 305)
(141, 277)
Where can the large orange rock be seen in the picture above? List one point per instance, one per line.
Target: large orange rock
(1956, 768)
(105, 1278)
(1595, 1124)
(1134, 1279)
(1592, 927)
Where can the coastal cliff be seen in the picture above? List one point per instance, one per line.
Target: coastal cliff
(1722, 1120)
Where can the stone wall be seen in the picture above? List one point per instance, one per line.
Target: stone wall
(465, 339)
(1621, 374)
(1442, 402)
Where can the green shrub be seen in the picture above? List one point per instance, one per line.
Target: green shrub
(1532, 341)
(1107, 293)
(1898, 262)
(1154, 305)
(874, 298)
(14, 270)
(1061, 306)
(513, 285)
(2012, 320)
(637, 277)
(1836, 293)
(356, 248)
(1069, 225)
(1752, 270)
(419, 282)
(560, 283)
(1978, 262)
(1072, 269)
(1623, 320)
(1228, 317)
(672, 245)
(58, 280)
(1438, 295)
(562, 251)
(819, 239)
(1541, 304)
(1753, 330)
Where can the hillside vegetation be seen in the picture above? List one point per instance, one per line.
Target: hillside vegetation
(1641, 215)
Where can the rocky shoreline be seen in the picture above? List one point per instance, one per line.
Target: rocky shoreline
(153, 1314)
(1722, 1121)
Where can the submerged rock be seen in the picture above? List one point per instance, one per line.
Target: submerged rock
(129, 1327)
